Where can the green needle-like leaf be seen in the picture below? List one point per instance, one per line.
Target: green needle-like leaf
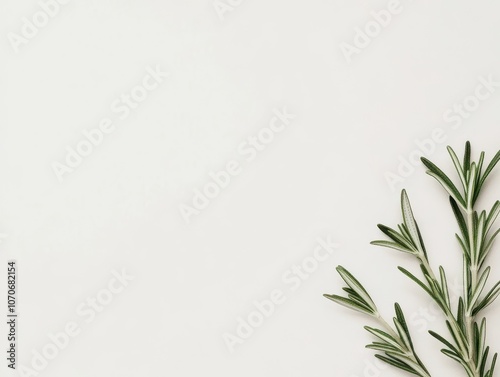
(396, 363)
(396, 237)
(350, 304)
(356, 286)
(458, 167)
(493, 215)
(467, 154)
(460, 219)
(382, 335)
(490, 297)
(391, 245)
(409, 221)
(479, 288)
(446, 182)
(415, 279)
(488, 170)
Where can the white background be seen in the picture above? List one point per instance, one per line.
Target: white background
(324, 176)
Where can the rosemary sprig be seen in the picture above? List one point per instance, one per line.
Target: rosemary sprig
(396, 345)
(468, 333)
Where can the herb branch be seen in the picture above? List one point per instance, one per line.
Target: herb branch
(466, 343)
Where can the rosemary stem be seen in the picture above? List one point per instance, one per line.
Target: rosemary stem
(473, 270)
(446, 310)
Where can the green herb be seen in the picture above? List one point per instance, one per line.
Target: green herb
(466, 341)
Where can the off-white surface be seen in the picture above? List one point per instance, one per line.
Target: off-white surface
(324, 176)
